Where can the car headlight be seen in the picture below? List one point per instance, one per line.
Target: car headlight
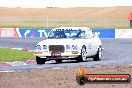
(45, 47)
(68, 47)
(74, 47)
(38, 47)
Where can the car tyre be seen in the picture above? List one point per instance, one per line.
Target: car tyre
(97, 57)
(40, 60)
(82, 57)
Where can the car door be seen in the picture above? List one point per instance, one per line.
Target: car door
(88, 47)
(94, 45)
(88, 36)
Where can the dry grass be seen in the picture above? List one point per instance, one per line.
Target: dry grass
(88, 16)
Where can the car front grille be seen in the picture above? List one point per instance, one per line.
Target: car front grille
(56, 48)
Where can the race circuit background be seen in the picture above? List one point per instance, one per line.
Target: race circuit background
(41, 32)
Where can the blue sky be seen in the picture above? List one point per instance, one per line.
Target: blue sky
(63, 3)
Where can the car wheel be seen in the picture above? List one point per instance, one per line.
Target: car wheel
(40, 60)
(58, 61)
(83, 56)
(97, 57)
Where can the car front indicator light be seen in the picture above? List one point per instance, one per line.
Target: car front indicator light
(75, 52)
(38, 52)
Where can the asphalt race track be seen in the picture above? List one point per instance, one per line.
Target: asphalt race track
(116, 52)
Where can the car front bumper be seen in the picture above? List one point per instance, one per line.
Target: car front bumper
(62, 56)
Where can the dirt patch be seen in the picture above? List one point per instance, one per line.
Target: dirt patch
(60, 78)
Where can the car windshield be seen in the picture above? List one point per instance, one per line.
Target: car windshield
(61, 33)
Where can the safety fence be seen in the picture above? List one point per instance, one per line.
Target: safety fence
(41, 32)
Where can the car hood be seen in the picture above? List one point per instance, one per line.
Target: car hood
(61, 41)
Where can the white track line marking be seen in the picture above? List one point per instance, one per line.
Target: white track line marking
(7, 71)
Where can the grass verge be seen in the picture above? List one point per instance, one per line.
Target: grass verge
(7, 54)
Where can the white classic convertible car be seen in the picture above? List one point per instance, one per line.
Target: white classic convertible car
(69, 43)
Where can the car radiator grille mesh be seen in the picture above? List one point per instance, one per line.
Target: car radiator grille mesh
(56, 48)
